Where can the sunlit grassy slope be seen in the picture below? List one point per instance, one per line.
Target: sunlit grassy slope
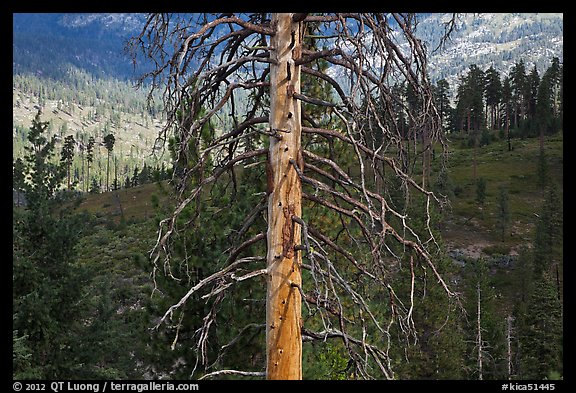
(517, 172)
(466, 225)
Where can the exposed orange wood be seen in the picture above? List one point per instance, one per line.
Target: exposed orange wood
(283, 306)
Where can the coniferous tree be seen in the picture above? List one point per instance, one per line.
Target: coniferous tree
(493, 96)
(486, 347)
(470, 107)
(533, 81)
(472, 97)
(89, 158)
(539, 300)
(109, 141)
(548, 101)
(519, 85)
(544, 108)
(462, 104)
(144, 175)
(18, 178)
(95, 186)
(115, 183)
(507, 102)
(549, 232)
(135, 177)
(555, 73)
(67, 155)
(46, 282)
(439, 350)
(442, 96)
(541, 337)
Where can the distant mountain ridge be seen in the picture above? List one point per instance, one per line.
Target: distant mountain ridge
(491, 39)
(95, 42)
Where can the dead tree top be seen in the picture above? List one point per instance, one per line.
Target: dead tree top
(214, 69)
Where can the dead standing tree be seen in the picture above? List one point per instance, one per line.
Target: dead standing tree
(202, 61)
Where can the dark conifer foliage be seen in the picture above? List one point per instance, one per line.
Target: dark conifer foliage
(46, 283)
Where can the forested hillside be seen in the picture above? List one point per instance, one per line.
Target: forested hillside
(83, 107)
(428, 242)
(118, 228)
(491, 39)
(91, 42)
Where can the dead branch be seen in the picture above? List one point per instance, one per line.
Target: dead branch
(224, 69)
(233, 372)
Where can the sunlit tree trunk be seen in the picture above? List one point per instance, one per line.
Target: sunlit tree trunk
(479, 334)
(283, 306)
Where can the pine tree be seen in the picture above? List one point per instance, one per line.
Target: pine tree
(507, 101)
(541, 337)
(549, 232)
(89, 158)
(144, 175)
(135, 177)
(539, 307)
(95, 186)
(67, 155)
(18, 178)
(109, 141)
(548, 101)
(470, 106)
(475, 87)
(46, 282)
(485, 329)
(555, 73)
(519, 85)
(533, 81)
(441, 93)
(493, 96)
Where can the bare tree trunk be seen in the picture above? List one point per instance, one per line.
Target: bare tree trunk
(426, 158)
(423, 161)
(107, 171)
(479, 334)
(508, 127)
(283, 300)
(474, 163)
(509, 344)
(83, 178)
(558, 286)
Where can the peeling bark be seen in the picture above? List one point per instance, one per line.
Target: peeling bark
(283, 306)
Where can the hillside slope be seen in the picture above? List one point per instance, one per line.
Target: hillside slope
(470, 227)
(467, 226)
(491, 39)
